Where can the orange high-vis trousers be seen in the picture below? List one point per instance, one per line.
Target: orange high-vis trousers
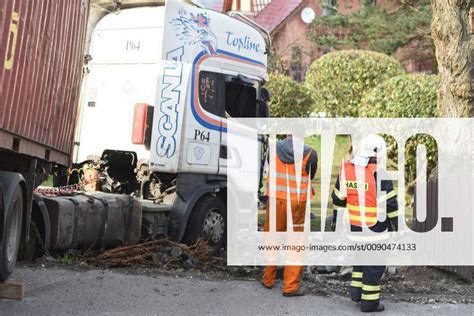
(291, 274)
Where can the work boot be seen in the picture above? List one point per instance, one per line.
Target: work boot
(379, 308)
(267, 286)
(355, 294)
(355, 299)
(300, 292)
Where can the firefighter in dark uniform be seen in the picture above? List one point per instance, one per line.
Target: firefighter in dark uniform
(365, 284)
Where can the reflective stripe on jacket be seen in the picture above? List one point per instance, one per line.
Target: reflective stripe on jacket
(286, 173)
(367, 186)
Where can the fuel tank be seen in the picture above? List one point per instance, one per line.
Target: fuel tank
(93, 220)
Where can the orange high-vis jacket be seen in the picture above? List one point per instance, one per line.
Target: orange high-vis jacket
(286, 174)
(352, 187)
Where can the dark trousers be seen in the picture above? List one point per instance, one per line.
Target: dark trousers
(365, 284)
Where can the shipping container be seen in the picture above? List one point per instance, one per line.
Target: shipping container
(41, 57)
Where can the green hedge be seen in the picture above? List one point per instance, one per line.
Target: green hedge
(288, 97)
(412, 95)
(338, 80)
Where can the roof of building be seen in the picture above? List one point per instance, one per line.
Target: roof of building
(276, 12)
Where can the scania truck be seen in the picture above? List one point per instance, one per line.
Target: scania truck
(158, 87)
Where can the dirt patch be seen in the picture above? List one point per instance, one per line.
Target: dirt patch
(422, 285)
(428, 285)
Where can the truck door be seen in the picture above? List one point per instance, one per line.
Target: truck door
(203, 125)
(241, 96)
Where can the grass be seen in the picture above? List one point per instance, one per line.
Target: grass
(341, 151)
(66, 258)
(48, 182)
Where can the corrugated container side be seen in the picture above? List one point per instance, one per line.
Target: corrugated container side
(41, 55)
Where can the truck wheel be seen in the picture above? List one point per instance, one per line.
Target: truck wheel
(208, 221)
(12, 236)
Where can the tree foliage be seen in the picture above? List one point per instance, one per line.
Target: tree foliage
(374, 28)
(288, 97)
(339, 80)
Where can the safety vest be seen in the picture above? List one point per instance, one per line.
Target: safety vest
(367, 187)
(286, 174)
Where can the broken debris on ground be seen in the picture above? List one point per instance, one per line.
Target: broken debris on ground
(161, 253)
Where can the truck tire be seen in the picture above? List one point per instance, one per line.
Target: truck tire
(208, 221)
(12, 234)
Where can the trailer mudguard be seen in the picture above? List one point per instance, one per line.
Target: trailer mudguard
(191, 188)
(39, 203)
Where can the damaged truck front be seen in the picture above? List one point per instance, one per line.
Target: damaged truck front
(161, 83)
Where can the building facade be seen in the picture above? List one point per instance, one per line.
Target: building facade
(288, 22)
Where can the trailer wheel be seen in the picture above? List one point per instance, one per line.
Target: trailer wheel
(208, 221)
(12, 234)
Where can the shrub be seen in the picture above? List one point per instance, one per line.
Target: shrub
(288, 97)
(338, 80)
(412, 95)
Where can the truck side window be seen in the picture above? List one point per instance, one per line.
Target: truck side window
(209, 91)
(240, 99)
(228, 96)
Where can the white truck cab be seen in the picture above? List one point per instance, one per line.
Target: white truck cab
(162, 84)
(214, 69)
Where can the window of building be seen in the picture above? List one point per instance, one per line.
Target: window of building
(296, 68)
(370, 2)
(329, 7)
(259, 5)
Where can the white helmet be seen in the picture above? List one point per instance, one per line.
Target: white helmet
(369, 147)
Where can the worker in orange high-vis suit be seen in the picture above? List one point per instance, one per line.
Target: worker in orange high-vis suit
(365, 285)
(285, 175)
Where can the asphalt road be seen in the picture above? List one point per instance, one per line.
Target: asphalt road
(58, 291)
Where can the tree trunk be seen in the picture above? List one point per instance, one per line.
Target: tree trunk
(452, 33)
